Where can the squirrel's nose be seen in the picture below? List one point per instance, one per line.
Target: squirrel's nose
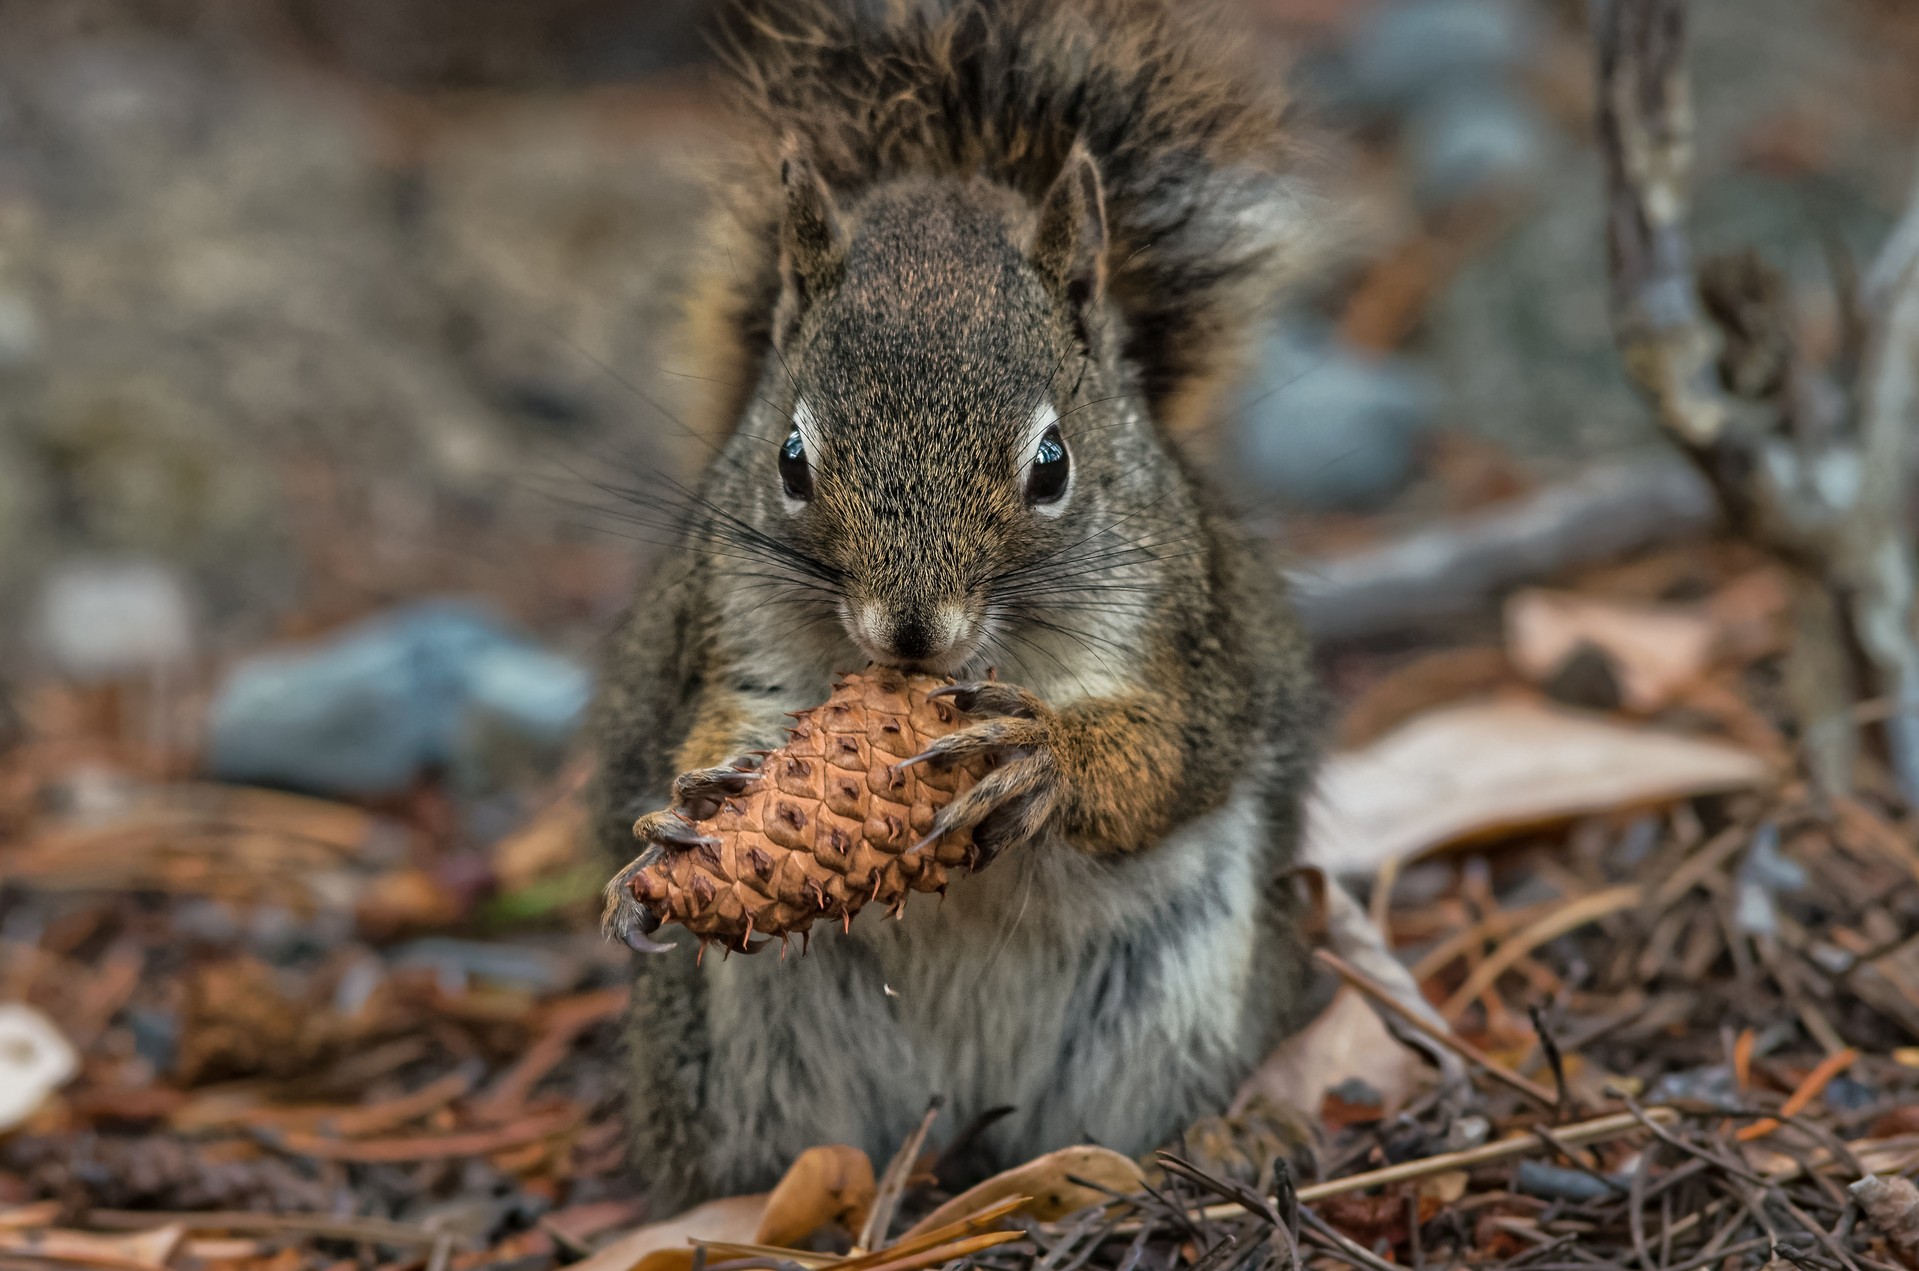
(908, 635)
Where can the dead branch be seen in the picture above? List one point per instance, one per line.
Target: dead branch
(1460, 566)
(1823, 487)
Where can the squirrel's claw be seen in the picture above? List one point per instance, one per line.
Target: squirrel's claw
(990, 697)
(671, 829)
(1010, 804)
(698, 795)
(625, 917)
(993, 736)
(1007, 807)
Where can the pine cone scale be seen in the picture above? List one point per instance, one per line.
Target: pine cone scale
(828, 826)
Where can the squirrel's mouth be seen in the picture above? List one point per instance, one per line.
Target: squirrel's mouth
(939, 644)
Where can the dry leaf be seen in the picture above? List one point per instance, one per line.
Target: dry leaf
(1427, 681)
(135, 1251)
(1347, 1040)
(545, 847)
(666, 1245)
(35, 1061)
(1047, 1181)
(825, 1185)
(38, 1214)
(402, 901)
(1892, 1205)
(1657, 650)
(1483, 768)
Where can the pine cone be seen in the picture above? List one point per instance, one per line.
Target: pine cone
(826, 828)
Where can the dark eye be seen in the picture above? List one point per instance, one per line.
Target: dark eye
(1046, 479)
(795, 473)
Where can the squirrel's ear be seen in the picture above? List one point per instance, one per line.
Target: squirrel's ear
(1069, 247)
(812, 244)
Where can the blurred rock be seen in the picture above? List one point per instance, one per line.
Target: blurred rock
(107, 620)
(370, 709)
(1401, 52)
(1471, 140)
(35, 1060)
(458, 961)
(20, 331)
(1556, 1182)
(244, 307)
(1321, 427)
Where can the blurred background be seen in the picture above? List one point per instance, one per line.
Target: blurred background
(329, 330)
(306, 308)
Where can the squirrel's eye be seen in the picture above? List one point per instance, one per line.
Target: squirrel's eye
(795, 473)
(1046, 479)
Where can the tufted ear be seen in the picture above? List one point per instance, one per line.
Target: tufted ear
(1069, 247)
(812, 243)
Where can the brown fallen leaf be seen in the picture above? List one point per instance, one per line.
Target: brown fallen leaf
(831, 1184)
(1425, 682)
(823, 1185)
(135, 1251)
(553, 842)
(1047, 1182)
(1479, 769)
(39, 1214)
(667, 1245)
(1892, 1205)
(1655, 650)
(1347, 1041)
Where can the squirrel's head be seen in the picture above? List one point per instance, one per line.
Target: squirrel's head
(944, 428)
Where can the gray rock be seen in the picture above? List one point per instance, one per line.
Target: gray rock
(1320, 427)
(1556, 1182)
(1403, 51)
(368, 710)
(105, 620)
(21, 338)
(458, 961)
(1471, 139)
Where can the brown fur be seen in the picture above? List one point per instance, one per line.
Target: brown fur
(1186, 144)
(958, 224)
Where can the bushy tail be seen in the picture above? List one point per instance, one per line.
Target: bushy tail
(1205, 202)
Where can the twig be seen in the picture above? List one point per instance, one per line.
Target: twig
(1597, 1130)
(378, 1231)
(1809, 1089)
(886, 1199)
(1574, 914)
(1378, 994)
(1459, 567)
(1826, 496)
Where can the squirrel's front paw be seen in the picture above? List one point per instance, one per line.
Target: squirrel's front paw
(696, 797)
(1010, 805)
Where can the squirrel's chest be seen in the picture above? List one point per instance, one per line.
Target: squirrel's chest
(1101, 998)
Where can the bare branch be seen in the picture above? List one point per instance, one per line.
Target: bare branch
(1826, 495)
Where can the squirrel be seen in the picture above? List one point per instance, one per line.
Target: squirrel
(980, 264)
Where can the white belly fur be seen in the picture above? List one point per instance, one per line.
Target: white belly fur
(1018, 988)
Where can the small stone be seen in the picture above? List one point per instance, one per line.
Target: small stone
(105, 620)
(35, 1060)
(1473, 140)
(512, 965)
(1556, 1182)
(1406, 50)
(369, 709)
(1322, 428)
(20, 331)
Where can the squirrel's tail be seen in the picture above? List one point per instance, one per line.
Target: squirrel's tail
(1204, 198)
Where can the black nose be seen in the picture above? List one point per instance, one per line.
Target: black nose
(912, 637)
